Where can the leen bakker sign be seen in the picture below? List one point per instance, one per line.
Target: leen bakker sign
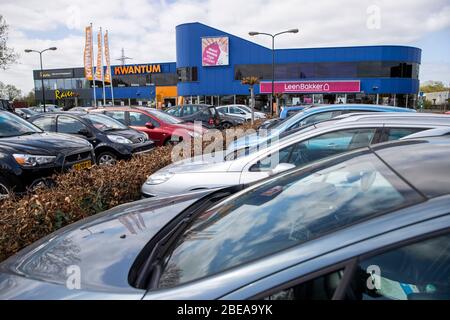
(311, 87)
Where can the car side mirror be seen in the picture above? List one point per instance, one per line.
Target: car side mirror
(282, 167)
(149, 125)
(84, 132)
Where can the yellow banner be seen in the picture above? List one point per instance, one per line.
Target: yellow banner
(98, 72)
(107, 59)
(88, 72)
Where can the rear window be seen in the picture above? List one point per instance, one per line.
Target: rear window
(284, 213)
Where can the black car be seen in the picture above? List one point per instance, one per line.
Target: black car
(28, 156)
(206, 114)
(5, 105)
(25, 113)
(111, 139)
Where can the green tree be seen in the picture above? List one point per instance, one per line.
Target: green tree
(433, 86)
(30, 98)
(7, 55)
(251, 82)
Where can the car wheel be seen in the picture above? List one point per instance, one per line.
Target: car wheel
(106, 159)
(226, 125)
(5, 188)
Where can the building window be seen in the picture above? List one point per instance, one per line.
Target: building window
(326, 70)
(187, 74)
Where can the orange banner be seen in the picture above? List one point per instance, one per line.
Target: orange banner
(107, 59)
(88, 53)
(98, 71)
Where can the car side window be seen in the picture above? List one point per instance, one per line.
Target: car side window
(317, 148)
(118, 115)
(46, 123)
(332, 143)
(174, 112)
(235, 110)
(320, 288)
(392, 134)
(138, 119)
(190, 110)
(69, 125)
(272, 160)
(315, 118)
(419, 271)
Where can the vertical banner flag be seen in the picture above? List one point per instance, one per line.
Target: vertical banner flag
(88, 53)
(99, 71)
(107, 59)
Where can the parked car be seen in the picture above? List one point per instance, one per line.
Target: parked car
(228, 121)
(25, 112)
(81, 109)
(111, 139)
(241, 111)
(161, 127)
(311, 144)
(206, 114)
(5, 105)
(288, 111)
(319, 232)
(307, 117)
(29, 156)
(48, 108)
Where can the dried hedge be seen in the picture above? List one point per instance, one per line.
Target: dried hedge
(77, 195)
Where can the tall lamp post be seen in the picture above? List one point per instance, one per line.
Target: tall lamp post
(42, 71)
(254, 33)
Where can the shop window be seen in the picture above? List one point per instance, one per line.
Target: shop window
(187, 74)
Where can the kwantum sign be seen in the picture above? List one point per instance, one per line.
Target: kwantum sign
(311, 87)
(138, 69)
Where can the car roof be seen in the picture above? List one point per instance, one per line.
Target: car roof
(424, 163)
(336, 107)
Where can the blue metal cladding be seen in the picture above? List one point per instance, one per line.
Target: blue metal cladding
(220, 80)
(147, 93)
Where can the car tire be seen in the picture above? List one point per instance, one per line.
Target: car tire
(226, 125)
(106, 159)
(5, 188)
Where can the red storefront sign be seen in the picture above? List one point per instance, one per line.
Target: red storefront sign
(311, 87)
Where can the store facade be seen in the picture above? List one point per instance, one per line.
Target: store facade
(210, 65)
(137, 84)
(371, 74)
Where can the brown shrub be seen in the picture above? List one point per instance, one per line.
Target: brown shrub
(77, 195)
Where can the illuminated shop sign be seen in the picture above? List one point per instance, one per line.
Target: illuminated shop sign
(59, 95)
(311, 87)
(137, 69)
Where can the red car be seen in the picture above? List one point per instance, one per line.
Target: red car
(159, 126)
(448, 112)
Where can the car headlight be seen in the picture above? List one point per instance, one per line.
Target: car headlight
(159, 178)
(119, 139)
(31, 160)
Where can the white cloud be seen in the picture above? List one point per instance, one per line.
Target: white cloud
(146, 29)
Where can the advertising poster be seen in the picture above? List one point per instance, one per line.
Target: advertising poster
(215, 51)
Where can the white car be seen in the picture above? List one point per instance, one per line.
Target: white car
(241, 111)
(310, 144)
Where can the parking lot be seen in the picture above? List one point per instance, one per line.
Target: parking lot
(258, 153)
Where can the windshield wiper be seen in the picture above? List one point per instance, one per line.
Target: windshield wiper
(112, 129)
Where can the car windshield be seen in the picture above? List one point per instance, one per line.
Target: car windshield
(165, 117)
(105, 123)
(12, 125)
(284, 213)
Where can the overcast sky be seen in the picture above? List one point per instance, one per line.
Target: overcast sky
(146, 28)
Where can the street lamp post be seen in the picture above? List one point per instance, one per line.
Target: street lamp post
(254, 33)
(42, 70)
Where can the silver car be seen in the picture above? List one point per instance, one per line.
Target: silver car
(370, 224)
(242, 111)
(305, 146)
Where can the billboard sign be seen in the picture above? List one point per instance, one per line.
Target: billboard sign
(215, 51)
(311, 87)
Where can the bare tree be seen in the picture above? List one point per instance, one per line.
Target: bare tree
(7, 55)
(12, 92)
